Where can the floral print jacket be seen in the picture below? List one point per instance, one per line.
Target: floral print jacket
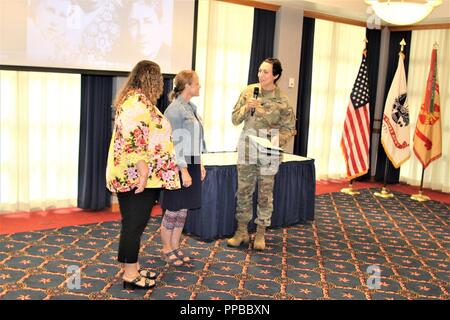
(141, 132)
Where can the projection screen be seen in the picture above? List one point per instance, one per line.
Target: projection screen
(110, 35)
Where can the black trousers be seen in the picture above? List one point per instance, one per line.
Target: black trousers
(135, 212)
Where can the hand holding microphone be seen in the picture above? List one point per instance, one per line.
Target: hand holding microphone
(254, 102)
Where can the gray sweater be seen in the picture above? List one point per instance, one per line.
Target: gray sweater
(187, 130)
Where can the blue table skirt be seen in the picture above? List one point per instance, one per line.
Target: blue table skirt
(294, 192)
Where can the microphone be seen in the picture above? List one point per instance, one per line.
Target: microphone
(255, 95)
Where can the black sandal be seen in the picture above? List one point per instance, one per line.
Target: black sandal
(172, 258)
(139, 283)
(181, 255)
(147, 273)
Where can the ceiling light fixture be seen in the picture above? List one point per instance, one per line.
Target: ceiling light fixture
(403, 12)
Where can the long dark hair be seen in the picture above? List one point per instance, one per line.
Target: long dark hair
(146, 78)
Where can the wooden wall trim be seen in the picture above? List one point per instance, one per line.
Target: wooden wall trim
(323, 16)
(319, 15)
(255, 4)
(421, 27)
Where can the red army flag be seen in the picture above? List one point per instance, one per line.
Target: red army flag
(428, 134)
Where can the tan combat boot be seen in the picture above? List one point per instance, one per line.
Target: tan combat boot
(241, 235)
(260, 242)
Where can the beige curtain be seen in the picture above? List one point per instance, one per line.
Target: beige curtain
(39, 134)
(337, 55)
(437, 174)
(224, 40)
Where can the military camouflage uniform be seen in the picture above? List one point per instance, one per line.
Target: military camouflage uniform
(254, 166)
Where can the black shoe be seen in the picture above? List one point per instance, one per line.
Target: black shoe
(148, 273)
(139, 283)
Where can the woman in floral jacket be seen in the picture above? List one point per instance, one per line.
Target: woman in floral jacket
(141, 160)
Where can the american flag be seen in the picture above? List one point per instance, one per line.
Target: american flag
(355, 137)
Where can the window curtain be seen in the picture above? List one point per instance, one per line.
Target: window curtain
(437, 174)
(262, 41)
(95, 136)
(337, 55)
(392, 174)
(304, 88)
(39, 135)
(222, 63)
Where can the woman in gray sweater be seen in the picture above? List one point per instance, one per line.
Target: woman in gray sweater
(188, 136)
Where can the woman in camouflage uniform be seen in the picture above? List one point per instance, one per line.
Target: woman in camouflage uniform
(269, 115)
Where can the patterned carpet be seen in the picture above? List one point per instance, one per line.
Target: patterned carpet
(328, 259)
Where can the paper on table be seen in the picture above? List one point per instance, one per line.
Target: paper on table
(264, 144)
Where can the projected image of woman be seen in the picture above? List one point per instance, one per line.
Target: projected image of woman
(148, 29)
(51, 30)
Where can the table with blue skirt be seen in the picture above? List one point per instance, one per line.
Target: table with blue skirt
(293, 196)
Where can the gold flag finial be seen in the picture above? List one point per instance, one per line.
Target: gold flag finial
(402, 44)
(436, 45)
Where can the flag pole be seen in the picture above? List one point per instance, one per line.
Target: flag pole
(421, 197)
(350, 190)
(385, 193)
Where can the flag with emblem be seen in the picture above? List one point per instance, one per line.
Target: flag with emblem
(428, 135)
(355, 140)
(395, 131)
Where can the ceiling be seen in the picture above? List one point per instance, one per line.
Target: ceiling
(357, 9)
